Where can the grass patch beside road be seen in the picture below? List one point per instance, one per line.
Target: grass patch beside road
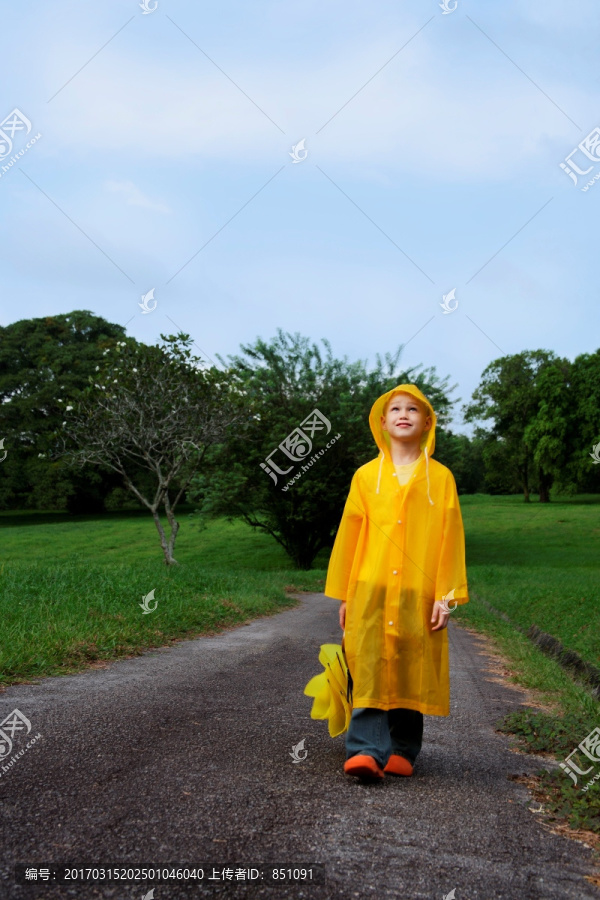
(571, 715)
(70, 587)
(538, 564)
(59, 617)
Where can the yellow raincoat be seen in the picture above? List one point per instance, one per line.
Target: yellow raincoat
(398, 550)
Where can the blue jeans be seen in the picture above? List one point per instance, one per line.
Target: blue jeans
(379, 733)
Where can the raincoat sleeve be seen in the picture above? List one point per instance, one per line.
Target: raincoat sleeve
(452, 573)
(346, 542)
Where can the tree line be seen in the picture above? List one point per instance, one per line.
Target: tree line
(92, 419)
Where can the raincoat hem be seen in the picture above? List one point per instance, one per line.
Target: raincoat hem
(426, 709)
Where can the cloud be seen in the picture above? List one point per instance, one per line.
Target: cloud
(134, 196)
(449, 106)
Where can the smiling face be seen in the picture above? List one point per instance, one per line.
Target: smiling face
(405, 419)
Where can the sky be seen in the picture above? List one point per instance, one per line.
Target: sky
(152, 150)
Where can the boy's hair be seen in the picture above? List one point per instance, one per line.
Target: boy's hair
(397, 394)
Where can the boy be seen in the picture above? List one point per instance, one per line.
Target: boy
(399, 551)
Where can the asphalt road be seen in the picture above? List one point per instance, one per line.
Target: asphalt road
(182, 757)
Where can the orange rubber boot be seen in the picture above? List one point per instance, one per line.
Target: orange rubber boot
(398, 765)
(363, 766)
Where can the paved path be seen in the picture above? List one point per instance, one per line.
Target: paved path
(182, 757)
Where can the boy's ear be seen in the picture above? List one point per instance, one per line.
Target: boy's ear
(383, 423)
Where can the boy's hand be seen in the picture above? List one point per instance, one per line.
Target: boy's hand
(439, 618)
(343, 616)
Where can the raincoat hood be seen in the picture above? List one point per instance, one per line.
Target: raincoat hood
(382, 437)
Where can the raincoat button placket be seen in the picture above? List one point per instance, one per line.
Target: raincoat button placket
(395, 571)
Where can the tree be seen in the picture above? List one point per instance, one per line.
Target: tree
(149, 415)
(464, 457)
(584, 420)
(298, 394)
(501, 476)
(42, 363)
(509, 394)
(548, 433)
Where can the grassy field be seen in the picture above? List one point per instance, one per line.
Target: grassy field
(70, 589)
(132, 537)
(538, 563)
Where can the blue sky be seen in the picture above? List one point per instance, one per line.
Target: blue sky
(433, 147)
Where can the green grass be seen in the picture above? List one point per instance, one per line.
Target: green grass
(132, 537)
(57, 616)
(70, 589)
(538, 564)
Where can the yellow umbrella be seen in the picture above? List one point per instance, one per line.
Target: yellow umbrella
(332, 689)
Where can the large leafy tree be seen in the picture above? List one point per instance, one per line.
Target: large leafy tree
(509, 394)
(584, 431)
(43, 362)
(547, 434)
(545, 413)
(464, 457)
(567, 426)
(149, 415)
(285, 381)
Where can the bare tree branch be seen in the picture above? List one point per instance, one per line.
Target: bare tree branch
(150, 415)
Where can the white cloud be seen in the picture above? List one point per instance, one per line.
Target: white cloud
(448, 106)
(134, 196)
